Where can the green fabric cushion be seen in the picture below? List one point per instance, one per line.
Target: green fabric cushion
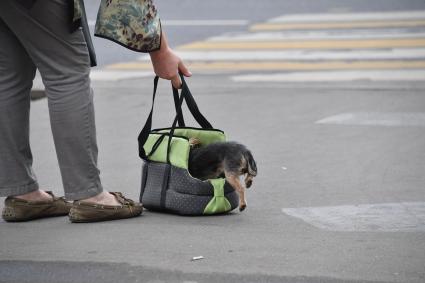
(180, 148)
(179, 151)
(206, 136)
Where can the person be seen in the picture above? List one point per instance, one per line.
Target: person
(52, 36)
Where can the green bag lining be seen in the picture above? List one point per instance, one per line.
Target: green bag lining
(205, 136)
(180, 148)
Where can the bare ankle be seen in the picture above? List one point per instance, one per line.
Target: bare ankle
(37, 195)
(102, 198)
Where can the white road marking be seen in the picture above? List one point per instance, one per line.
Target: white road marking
(385, 217)
(205, 22)
(393, 119)
(299, 55)
(335, 76)
(104, 75)
(344, 17)
(319, 34)
(197, 22)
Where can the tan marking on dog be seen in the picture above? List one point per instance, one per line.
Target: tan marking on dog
(236, 184)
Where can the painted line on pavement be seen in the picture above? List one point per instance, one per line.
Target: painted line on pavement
(299, 55)
(393, 119)
(101, 76)
(335, 76)
(385, 217)
(337, 17)
(283, 65)
(108, 75)
(308, 44)
(205, 22)
(337, 25)
(318, 34)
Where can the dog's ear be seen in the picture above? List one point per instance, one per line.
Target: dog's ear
(251, 165)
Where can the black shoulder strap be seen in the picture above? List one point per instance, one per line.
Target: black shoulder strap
(193, 108)
(179, 111)
(191, 104)
(144, 133)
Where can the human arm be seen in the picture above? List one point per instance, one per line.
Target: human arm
(167, 65)
(135, 24)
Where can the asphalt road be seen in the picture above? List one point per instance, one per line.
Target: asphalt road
(301, 164)
(339, 196)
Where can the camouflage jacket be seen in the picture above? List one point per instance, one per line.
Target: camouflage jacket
(134, 24)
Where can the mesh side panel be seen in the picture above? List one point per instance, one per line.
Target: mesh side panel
(182, 182)
(185, 204)
(144, 177)
(154, 179)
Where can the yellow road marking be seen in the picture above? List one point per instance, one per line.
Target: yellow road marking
(337, 25)
(284, 65)
(310, 44)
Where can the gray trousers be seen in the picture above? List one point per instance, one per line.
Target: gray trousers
(39, 38)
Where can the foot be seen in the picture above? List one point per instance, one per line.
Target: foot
(37, 195)
(104, 198)
(100, 208)
(33, 206)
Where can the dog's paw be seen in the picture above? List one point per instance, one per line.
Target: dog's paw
(242, 207)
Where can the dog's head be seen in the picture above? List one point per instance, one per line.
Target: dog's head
(250, 170)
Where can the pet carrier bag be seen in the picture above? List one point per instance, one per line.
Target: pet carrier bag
(167, 185)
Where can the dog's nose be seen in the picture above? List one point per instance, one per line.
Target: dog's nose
(248, 184)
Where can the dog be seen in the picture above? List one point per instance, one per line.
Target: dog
(223, 159)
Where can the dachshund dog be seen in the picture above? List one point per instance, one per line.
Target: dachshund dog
(223, 159)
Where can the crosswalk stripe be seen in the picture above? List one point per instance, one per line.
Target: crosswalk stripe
(384, 217)
(337, 25)
(205, 22)
(338, 17)
(392, 119)
(299, 55)
(309, 44)
(319, 34)
(283, 65)
(334, 76)
(343, 46)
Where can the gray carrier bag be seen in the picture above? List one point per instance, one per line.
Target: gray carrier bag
(167, 185)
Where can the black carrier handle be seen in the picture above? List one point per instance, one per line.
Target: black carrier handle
(178, 101)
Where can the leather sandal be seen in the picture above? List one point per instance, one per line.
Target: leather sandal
(83, 211)
(16, 209)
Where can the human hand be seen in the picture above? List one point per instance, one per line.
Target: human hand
(167, 65)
